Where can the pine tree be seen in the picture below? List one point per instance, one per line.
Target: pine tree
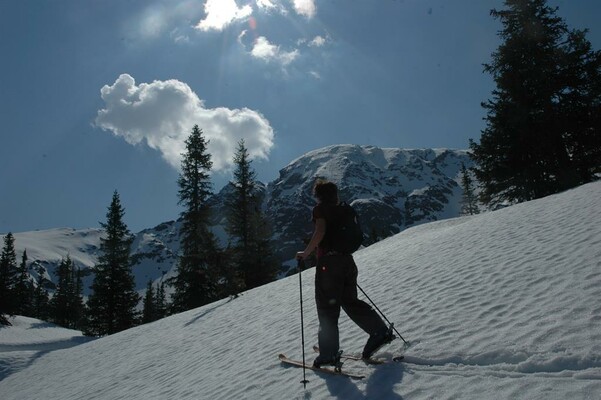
(155, 306)
(61, 304)
(77, 302)
(8, 278)
(66, 306)
(239, 221)
(23, 291)
(581, 106)
(247, 225)
(469, 202)
(160, 302)
(196, 281)
(542, 133)
(149, 312)
(41, 298)
(112, 304)
(231, 282)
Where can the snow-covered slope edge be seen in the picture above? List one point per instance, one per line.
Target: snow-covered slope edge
(501, 305)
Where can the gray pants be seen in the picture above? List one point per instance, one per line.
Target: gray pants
(335, 288)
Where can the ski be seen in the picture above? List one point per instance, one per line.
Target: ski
(330, 371)
(374, 361)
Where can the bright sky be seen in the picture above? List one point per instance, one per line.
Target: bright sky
(98, 96)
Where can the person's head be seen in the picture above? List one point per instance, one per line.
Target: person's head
(325, 192)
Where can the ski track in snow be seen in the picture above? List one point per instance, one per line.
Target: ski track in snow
(502, 305)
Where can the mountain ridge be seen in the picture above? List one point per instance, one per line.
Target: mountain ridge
(390, 188)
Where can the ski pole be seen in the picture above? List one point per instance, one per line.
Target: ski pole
(300, 287)
(382, 314)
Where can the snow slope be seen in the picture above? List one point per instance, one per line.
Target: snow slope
(52, 245)
(502, 305)
(29, 339)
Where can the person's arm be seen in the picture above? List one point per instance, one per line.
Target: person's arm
(318, 234)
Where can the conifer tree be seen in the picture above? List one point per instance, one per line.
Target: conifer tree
(543, 125)
(8, 278)
(41, 298)
(149, 312)
(240, 210)
(66, 306)
(231, 280)
(160, 302)
(196, 281)
(247, 225)
(62, 304)
(155, 306)
(469, 202)
(23, 291)
(113, 301)
(580, 113)
(78, 305)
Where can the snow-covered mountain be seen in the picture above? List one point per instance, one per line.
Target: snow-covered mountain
(501, 305)
(390, 188)
(153, 251)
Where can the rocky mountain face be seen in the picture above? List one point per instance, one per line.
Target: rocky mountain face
(391, 189)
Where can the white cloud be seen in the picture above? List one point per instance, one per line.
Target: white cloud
(220, 13)
(264, 50)
(318, 41)
(305, 7)
(265, 4)
(162, 114)
(241, 36)
(271, 6)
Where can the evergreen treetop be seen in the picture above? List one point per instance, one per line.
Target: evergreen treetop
(196, 281)
(113, 301)
(542, 132)
(252, 248)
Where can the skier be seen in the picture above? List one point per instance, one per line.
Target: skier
(336, 285)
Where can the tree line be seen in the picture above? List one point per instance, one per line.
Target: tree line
(205, 270)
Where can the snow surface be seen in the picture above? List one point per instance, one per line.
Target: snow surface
(502, 305)
(55, 244)
(29, 339)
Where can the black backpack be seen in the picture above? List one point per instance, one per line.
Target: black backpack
(344, 230)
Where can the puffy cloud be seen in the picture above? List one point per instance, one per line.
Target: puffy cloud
(220, 13)
(162, 114)
(305, 7)
(264, 50)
